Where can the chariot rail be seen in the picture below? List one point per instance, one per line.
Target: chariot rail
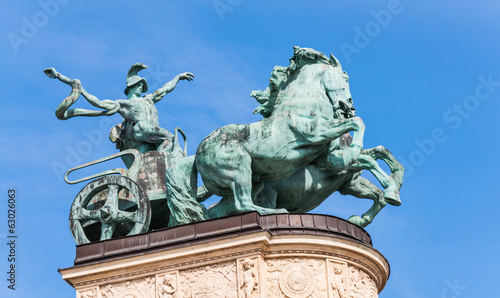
(121, 171)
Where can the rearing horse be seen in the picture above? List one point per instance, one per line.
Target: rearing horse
(234, 160)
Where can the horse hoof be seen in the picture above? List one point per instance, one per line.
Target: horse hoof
(357, 220)
(278, 211)
(266, 211)
(391, 196)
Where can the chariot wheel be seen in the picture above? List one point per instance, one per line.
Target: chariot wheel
(109, 207)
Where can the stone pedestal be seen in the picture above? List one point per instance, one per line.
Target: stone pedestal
(247, 255)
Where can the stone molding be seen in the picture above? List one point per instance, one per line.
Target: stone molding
(251, 265)
(220, 228)
(246, 255)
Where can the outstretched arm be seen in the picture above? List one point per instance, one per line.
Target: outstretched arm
(106, 104)
(53, 74)
(168, 87)
(63, 112)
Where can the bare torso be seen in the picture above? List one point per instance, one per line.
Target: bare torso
(139, 110)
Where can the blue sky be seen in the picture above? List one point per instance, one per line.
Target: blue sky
(424, 76)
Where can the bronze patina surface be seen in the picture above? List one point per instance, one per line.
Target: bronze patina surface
(293, 159)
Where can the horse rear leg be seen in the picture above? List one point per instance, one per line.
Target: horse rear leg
(364, 189)
(267, 198)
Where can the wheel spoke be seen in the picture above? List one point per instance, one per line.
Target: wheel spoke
(107, 230)
(81, 213)
(113, 191)
(90, 222)
(123, 216)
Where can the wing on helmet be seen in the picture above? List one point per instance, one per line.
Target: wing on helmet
(135, 69)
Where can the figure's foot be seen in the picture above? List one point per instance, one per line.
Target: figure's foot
(391, 195)
(359, 221)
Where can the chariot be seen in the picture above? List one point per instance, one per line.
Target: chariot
(122, 202)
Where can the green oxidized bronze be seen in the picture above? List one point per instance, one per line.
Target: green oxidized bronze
(138, 201)
(290, 161)
(301, 152)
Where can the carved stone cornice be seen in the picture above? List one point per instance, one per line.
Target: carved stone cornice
(249, 264)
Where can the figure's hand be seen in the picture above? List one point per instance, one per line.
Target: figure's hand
(50, 72)
(186, 76)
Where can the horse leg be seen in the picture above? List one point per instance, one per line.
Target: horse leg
(230, 205)
(266, 198)
(222, 208)
(243, 200)
(352, 152)
(391, 193)
(336, 128)
(364, 189)
(244, 189)
(397, 169)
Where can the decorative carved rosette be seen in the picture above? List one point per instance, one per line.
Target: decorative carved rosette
(296, 281)
(296, 277)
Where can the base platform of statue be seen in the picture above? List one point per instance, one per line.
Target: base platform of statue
(246, 255)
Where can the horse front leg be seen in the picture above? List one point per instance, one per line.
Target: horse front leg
(364, 189)
(342, 159)
(243, 200)
(391, 192)
(245, 189)
(397, 169)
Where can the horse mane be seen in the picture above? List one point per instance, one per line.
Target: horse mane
(307, 56)
(279, 76)
(268, 97)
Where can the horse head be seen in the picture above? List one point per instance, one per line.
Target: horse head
(339, 92)
(345, 108)
(336, 82)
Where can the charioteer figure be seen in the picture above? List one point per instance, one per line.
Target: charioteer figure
(141, 127)
(150, 153)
